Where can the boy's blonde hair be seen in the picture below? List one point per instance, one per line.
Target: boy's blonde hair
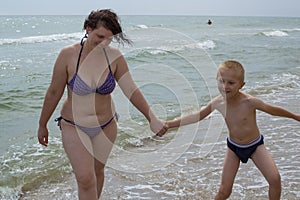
(233, 65)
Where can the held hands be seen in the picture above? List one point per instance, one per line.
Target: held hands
(43, 136)
(158, 127)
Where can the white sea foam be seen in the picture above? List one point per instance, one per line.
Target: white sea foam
(142, 26)
(275, 33)
(291, 30)
(41, 39)
(208, 44)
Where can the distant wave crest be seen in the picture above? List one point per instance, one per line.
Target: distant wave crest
(41, 39)
(141, 26)
(292, 30)
(276, 83)
(208, 44)
(164, 50)
(275, 33)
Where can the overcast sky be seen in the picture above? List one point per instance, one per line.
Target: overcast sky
(287, 8)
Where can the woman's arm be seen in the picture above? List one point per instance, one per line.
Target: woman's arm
(53, 95)
(132, 92)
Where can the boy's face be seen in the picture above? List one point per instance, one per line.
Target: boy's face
(229, 82)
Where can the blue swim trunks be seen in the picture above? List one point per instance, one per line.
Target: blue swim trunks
(245, 151)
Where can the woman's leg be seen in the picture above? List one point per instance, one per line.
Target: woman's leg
(265, 163)
(230, 168)
(78, 146)
(102, 146)
(99, 170)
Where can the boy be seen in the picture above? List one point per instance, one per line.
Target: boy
(244, 141)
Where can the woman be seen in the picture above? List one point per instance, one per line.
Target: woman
(88, 116)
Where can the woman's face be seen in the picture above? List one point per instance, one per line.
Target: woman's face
(99, 35)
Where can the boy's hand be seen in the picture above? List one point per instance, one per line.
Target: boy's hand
(157, 126)
(163, 130)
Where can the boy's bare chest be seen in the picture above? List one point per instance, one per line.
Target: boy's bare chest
(240, 113)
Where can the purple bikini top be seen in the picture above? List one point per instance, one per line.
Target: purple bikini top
(79, 87)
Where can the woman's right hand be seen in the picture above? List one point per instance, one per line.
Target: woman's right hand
(43, 135)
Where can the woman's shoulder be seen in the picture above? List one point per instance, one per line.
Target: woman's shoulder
(114, 53)
(70, 49)
(113, 50)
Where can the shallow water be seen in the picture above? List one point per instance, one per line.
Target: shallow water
(175, 68)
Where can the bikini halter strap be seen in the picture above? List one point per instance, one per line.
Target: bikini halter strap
(84, 37)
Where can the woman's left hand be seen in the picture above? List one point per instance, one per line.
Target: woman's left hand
(158, 127)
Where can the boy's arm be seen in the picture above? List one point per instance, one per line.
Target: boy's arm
(191, 118)
(274, 110)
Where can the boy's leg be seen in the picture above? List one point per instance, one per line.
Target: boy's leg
(265, 163)
(230, 168)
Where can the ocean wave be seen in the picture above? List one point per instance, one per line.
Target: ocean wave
(137, 27)
(279, 33)
(275, 33)
(41, 39)
(164, 50)
(267, 89)
(208, 44)
(18, 100)
(291, 30)
(142, 26)
(275, 83)
(24, 168)
(205, 45)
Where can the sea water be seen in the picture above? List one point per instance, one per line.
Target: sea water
(173, 61)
